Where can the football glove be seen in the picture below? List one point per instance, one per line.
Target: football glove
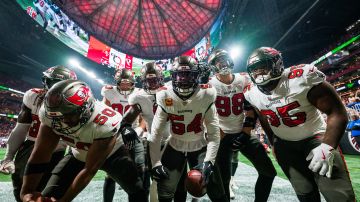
(159, 173)
(322, 158)
(206, 168)
(7, 167)
(129, 136)
(240, 141)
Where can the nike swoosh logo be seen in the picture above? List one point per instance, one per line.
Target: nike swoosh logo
(114, 124)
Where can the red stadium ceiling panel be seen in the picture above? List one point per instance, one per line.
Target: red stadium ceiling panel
(150, 29)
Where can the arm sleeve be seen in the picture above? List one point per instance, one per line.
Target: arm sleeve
(103, 89)
(16, 138)
(154, 138)
(213, 133)
(28, 99)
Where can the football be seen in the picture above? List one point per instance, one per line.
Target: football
(194, 183)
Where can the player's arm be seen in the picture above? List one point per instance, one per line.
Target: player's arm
(213, 133)
(241, 139)
(265, 126)
(141, 128)
(106, 101)
(18, 134)
(131, 114)
(158, 171)
(158, 124)
(96, 156)
(39, 160)
(325, 98)
(16, 138)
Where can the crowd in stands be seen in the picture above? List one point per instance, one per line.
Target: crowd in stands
(6, 125)
(15, 84)
(337, 74)
(10, 103)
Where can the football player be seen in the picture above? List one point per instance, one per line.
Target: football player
(306, 148)
(188, 108)
(93, 132)
(230, 105)
(22, 138)
(144, 103)
(117, 98)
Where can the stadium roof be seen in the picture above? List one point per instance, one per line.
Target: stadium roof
(145, 29)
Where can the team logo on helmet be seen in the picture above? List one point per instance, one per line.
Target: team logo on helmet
(80, 97)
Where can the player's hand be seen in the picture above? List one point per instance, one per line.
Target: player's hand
(129, 136)
(7, 166)
(322, 158)
(240, 141)
(159, 173)
(37, 197)
(206, 168)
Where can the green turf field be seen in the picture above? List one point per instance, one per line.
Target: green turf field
(353, 163)
(6, 178)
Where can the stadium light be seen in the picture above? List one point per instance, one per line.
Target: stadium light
(91, 74)
(100, 81)
(235, 52)
(75, 63)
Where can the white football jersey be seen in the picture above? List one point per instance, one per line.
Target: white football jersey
(230, 102)
(33, 100)
(291, 116)
(119, 102)
(187, 120)
(103, 123)
(147, 103)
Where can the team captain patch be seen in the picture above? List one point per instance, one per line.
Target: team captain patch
(168, 101)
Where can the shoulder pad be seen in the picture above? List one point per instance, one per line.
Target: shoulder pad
(37, 90)
(108, 87)
(297, 66)
(162, 88)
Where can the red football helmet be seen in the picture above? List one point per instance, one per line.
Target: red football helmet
(56, 74)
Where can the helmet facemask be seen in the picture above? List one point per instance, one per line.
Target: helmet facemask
(185, 82)
(151, 83)
(48, 82)
(265, 67)
(125, 81)
(125, 86)
(223, 65)
(261, 73)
